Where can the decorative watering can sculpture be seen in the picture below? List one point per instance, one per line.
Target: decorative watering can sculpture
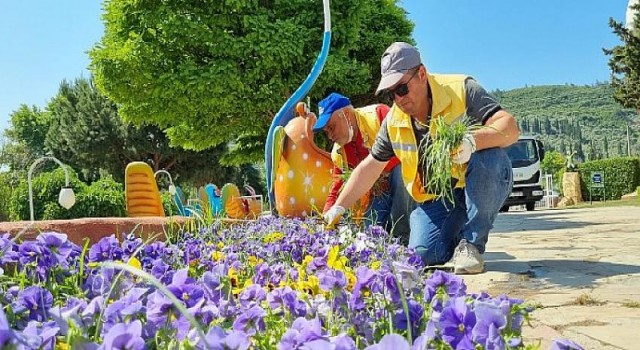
(280, 124)
(301, 171)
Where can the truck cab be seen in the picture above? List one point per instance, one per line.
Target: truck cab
(525, 155)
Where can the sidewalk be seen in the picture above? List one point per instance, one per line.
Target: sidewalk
(580, 266)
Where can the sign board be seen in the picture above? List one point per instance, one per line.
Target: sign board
(597, 179)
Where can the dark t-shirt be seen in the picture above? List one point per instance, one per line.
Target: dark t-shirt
(480, 107)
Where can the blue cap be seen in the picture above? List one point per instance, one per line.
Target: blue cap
(326, 107)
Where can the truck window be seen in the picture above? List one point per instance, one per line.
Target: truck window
(522, 150)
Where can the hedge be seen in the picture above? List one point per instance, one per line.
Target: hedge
(621, 176)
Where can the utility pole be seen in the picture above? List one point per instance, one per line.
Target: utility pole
(628, 143)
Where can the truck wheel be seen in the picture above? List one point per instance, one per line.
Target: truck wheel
(504, 209)
(531, 206)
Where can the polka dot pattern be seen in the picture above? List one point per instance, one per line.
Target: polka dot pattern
(302, 183)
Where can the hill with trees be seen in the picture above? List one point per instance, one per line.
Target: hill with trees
(567, 118)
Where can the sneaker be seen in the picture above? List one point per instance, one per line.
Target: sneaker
(467, 260)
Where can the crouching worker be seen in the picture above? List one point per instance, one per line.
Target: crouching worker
(353, 131)
(441, 231)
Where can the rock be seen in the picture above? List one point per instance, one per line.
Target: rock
(565, 202)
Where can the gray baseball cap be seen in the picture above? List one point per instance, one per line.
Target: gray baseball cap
(395, 62)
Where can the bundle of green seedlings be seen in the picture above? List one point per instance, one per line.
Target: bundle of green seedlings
(436, 156)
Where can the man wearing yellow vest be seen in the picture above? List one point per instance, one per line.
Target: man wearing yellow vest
(440, 232)
(353, 131)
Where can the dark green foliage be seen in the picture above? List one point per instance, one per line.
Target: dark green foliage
(6, 190)
(25, 139)
(87, 133)
(215, 71)
(621, 176)
(577, 115)
(625, 62)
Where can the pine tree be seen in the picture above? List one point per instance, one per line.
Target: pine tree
(619, 149)
(605, 147)
(625, 62)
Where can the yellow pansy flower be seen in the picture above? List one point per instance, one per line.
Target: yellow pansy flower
(134, 262)
(217, 256)
(253, 260)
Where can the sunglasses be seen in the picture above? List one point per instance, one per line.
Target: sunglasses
(402, 89)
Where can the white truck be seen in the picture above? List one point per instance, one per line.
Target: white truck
(526, 155)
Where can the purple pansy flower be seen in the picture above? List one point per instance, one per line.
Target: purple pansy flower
(37, 301)
(450, 284)
(391, 342)
(124, 336)
(456, 323)
(332, 280)
(58, 245)
(490, 321)
(41, 335)
(301, 332)
(251, 295)
(565, 344)
(251, 321)
(416, 311)
(107, 248)
(6, 333)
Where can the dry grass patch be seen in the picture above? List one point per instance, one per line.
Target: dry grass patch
(587, 300)
(631, 304)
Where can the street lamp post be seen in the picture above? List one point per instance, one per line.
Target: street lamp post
(172, 187)
(66, 198)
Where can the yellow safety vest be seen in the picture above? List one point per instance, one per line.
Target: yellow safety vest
(368, 124)
(449, 102)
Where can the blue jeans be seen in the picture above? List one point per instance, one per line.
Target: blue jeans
(438, 226)
(392, 209)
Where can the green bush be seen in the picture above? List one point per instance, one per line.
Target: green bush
(104, 198)
(46, 188)
(621, 176)
(168, 204)
(6, 190)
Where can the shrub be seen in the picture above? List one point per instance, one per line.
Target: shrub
(621, 176)
(46, 188)
(104, 198)
(6, 189)
(168, 204)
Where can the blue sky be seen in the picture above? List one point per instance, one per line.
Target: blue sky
(503, 44)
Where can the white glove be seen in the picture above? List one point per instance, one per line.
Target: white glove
(333, 215)
(464, 151)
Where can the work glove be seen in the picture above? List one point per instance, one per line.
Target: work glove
(463, 153)
(333, 215)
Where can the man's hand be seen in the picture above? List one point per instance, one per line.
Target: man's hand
(464, 151)
(333, 215)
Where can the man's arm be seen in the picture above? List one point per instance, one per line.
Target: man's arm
(336, 185)
(500, 130)
(500, 127)
(361, 180)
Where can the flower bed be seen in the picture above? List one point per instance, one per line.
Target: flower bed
(271, 284)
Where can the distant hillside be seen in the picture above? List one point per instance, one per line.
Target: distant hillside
(567, 117)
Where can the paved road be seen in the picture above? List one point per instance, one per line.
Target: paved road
(580, 266)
